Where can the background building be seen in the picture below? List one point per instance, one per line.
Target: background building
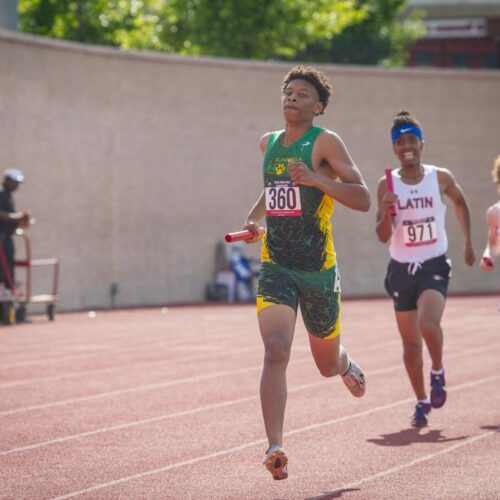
(8, 15)
(460, 34)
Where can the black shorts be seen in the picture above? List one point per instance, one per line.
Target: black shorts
(405, 288)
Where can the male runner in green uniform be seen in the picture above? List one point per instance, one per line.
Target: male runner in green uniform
(303, 165)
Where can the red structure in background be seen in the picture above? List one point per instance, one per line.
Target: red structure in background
(458, 43)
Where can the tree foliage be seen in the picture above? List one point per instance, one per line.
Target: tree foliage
(382, 37)
(129, 24)
(320, 30)
(255, 29)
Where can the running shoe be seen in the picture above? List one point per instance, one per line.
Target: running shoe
(354, 379)
(419, 418)
(438, 390)
(276, 462)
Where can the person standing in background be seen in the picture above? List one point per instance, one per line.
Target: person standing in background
(10, 220)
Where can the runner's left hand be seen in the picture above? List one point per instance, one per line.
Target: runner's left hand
(300, 173)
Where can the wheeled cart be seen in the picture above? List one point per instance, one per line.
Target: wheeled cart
(15, 296)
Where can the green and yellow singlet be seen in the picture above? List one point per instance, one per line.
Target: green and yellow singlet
(298, 217)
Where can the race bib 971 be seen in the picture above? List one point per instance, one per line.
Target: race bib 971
(420, 232)
(282, 199)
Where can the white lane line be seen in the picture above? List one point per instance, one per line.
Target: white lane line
(108, 350)
(160, 385)
(134, 330)
(109, 345)
(147, 387)
(137, 423)
(318, 425)
(127, 367)
(406, 465)
(208, 376)
(242, 447)
(145, 421)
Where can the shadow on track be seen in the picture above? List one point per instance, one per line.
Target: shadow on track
(406, 437)
(491, 427)
(333, 494)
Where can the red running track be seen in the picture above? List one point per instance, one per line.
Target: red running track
(164, 404)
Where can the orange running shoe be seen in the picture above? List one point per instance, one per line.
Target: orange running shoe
(276, 462)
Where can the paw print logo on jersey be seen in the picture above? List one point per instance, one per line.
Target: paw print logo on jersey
(279, 168)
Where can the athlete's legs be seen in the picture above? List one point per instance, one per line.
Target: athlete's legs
(332, 359)
(329, 355)
(412, 350)
(277, 323)
(429, 313)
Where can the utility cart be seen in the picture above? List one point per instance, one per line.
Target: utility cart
(15, 297)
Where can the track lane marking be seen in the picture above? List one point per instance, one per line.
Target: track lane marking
(127, 367)
(306, 428)
(193, 411)
(406, 465)
(113, 349)
(105, 349)
(196, 357)
(199, 378)
(169, 383)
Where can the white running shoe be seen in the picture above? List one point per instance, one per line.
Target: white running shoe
(354, 379)
(276, 462)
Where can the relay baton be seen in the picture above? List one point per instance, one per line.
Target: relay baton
(487, 262)
(242, 235)
(390, 188)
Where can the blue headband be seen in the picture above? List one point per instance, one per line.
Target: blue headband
(406, 128)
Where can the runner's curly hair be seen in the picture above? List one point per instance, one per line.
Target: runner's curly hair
(404, 118)
(313, 76)
(495, 172)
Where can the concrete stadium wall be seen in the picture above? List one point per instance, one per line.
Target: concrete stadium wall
(138, 163)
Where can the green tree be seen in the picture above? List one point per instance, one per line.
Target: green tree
(254, 29)
(320, 30)
(129, 24)
(382, 37)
